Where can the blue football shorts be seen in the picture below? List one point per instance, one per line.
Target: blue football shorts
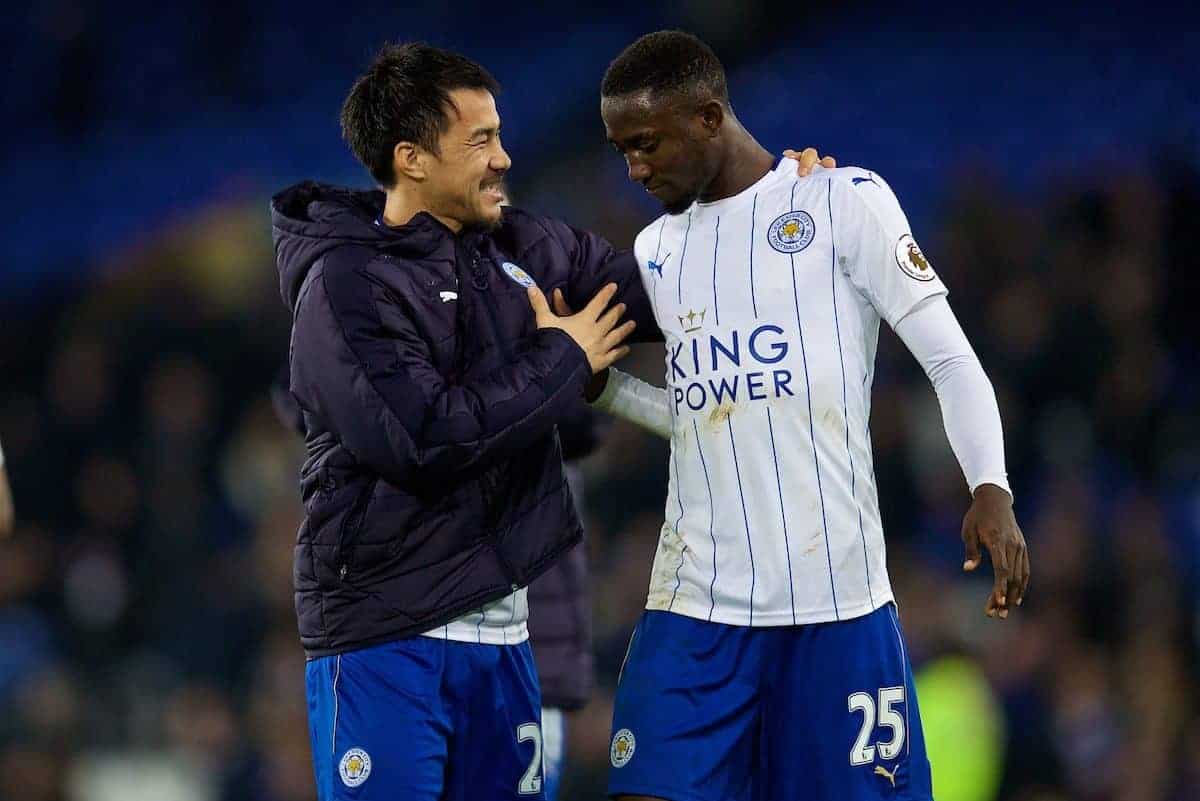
(426, 720)
(823, 712)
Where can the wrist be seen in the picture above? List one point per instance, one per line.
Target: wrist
(989, 491)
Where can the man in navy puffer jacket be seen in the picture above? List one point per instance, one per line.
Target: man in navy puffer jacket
(433, 486)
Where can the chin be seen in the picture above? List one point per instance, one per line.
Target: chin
(487, 219)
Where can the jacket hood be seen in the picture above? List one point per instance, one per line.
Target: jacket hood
(310, 219)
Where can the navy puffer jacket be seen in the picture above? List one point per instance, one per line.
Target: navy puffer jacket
(433, 481)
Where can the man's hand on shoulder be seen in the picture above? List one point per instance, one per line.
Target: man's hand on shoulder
(990, 522)
(807, 159)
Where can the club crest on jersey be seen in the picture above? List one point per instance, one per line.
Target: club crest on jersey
(355, 767)
(912, 261)
(792, 232)
(517, 274)
(623, 746)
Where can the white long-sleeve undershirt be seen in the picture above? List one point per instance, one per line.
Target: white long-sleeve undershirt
(932, 334)
(970, 413)
(632, 399)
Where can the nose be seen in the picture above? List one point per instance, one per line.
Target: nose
(639, 171)
(500, 162)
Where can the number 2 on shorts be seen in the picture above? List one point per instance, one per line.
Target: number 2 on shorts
(531, 782)
(863, 753)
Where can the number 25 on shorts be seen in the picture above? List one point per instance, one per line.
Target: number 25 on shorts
(883, 713)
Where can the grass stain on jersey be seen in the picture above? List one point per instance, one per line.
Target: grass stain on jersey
(720, 414)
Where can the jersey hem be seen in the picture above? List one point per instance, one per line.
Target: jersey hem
(784, 618)
(484, 635)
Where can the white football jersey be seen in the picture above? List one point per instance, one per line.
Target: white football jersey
(501, 622)
(770, 303)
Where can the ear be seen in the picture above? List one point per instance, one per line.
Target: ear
(409, 159)
(712, 116)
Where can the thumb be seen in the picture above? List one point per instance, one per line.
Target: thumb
(537, 300)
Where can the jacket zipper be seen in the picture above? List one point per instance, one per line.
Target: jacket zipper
(350, 529)
(479, 281)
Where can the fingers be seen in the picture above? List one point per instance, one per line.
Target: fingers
(1012, 592)
(538, 301)
(560, 304)
(600, 301)
(611, 317)
(610, 358)
(1025, 579)
(998, 603)
(808, 159)
(805, 159)
(619, 334)
(971, 546)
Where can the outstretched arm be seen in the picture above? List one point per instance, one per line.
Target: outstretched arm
(972, 421)
(632, 399)
(622, 395)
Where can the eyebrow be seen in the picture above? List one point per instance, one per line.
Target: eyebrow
(491, 129)
(636, 136)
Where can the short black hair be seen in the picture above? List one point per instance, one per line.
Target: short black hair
(404, 96)
(667, 61)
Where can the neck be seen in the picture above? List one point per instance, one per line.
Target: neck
(403, 204)
(743, 162)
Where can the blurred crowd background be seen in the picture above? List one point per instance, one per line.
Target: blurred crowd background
(1050, 164)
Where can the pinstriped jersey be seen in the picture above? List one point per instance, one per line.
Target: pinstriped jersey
(770, 303)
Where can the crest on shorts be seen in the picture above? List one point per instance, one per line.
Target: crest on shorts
(517, 274)
(623, 745)
(792, 232)
(912, 261)
(355, 767)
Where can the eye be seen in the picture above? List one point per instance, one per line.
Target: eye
(648, 146)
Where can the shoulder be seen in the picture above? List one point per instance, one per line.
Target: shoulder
(347, 280)
(645, 242)
(349, 260)
(862, 185)
(521, 230)
(864, 195)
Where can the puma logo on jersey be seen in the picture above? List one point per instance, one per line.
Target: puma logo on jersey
(448, 296)
(880, 770)
(861, 180)
(656, 266)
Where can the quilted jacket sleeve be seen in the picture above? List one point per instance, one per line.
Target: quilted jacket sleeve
(594, 263)
(377, 390)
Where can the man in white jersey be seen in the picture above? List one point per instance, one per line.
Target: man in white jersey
(770, 663)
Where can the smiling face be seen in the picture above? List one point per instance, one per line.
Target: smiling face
(464, 182)
(668, 143)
